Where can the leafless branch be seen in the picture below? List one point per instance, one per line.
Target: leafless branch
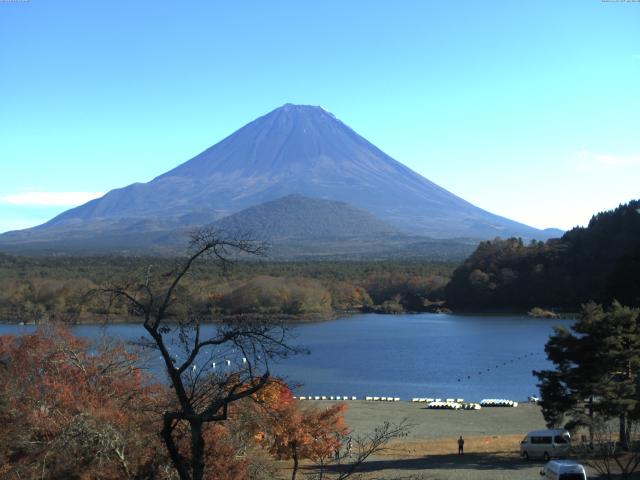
(202, 393)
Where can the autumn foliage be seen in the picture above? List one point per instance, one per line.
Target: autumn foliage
(74, 411)
(290, 432)
(78, 411)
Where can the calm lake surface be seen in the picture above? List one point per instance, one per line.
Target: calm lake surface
(423, 355)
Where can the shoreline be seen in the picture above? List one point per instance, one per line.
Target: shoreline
(292, 319)
(117, 320)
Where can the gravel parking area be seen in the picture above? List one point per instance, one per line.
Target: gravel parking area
(429, 452)
(364, 416)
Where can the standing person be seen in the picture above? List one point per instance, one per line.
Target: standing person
(460, 445)
(349, 446)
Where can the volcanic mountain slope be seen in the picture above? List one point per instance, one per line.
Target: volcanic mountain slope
(292, 150)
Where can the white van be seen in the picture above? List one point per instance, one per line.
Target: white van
(545, 444)
(563, 470)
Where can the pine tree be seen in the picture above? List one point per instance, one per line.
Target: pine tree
(596, 369)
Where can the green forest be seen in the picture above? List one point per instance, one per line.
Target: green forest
(598, 263)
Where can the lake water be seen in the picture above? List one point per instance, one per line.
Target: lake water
(423, 355)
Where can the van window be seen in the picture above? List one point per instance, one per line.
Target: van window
(541, 440)
(559, 439)
(571, 476)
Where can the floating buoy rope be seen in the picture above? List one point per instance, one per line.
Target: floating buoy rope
(513, 360)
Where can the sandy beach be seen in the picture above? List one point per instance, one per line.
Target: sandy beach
(492, 438)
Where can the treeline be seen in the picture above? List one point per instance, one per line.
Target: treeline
(35, 289)
(600, 263)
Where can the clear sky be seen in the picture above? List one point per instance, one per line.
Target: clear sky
(530, 110)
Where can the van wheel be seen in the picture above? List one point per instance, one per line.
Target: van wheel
(525, 455)
(546, 457)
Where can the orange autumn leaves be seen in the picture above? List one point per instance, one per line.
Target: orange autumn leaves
(313, 434)
(294, 433)
(71, 410)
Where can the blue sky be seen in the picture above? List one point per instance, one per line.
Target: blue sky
(530, 110)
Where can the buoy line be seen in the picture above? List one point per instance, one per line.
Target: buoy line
(504, 364)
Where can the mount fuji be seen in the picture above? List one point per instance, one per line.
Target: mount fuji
(295, 150)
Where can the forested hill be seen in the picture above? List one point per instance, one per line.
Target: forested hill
(302, 218)
(600, 262)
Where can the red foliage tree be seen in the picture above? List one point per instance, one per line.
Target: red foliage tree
(72, 412)
(292, 433)
(75, 411)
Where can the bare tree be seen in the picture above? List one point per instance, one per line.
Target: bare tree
(209, 366)
(608, 455)
(364, 446)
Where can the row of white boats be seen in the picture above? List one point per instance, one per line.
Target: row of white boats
(459, 403)
(437, 400)
(454, 406)
(433, 403)
(331, 397)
